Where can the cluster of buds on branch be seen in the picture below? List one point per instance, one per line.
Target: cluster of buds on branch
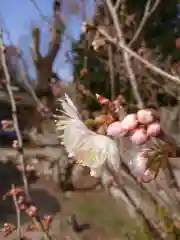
(107, 116)
(109, 113)
(112, 107)
(29, 208)
(140, 126)
(46, 223)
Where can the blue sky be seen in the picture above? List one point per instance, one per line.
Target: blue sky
(19, 17)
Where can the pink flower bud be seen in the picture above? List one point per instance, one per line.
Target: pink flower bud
(148, 176)
(115, 129)
(15, 144)
(130, 122)
(138, 164)
(139, 137)
(32, 211)
(6, 224)
(153, 130)
(48, 218)
(145, 116)
(83, 72)
(5, 123)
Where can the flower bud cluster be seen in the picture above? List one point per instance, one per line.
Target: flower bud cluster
(140, 126)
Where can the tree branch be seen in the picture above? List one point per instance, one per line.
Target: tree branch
(14, 115)
(131, 201)
(18, 215)
(56, 32)
(147, 64)
(126, 57)
(27, 80)
(147, 14)
(118, 2)
(36, 55)
(111, 72)
(44, 64)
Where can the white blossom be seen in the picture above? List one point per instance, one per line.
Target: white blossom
(87, 147)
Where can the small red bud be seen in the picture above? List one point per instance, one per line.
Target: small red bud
(32, 211)
(83, 72)
(22, 207)
(5, 123)
(15, 144)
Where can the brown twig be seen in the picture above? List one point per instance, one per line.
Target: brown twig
(45, 18)
(26, 80)
(147, 14)
(118, 2)
(151, 226)
(56, 31)
(111, 72)
(43, 64)
(35, 50)
(14, 114)
(38, 223)
(18, 214)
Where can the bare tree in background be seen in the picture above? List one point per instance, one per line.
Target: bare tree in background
(43, 64)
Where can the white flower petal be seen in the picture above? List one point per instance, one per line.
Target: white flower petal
(89, 148)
